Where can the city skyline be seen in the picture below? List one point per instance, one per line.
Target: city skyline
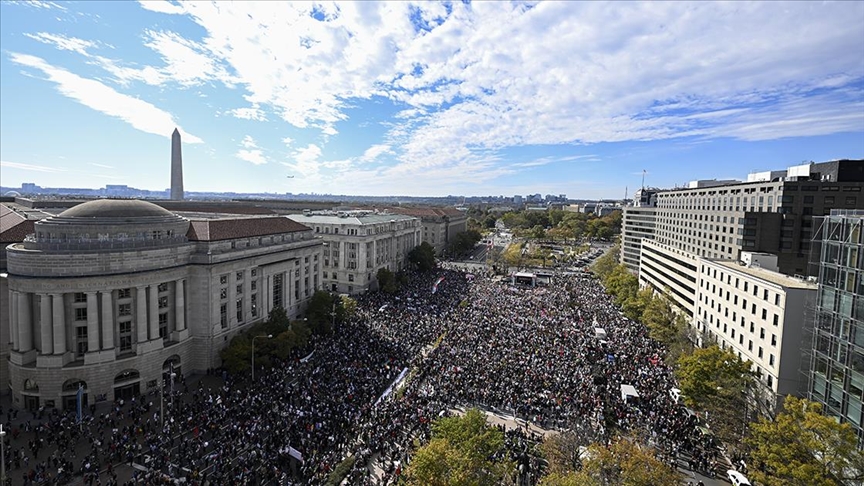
(426, 99)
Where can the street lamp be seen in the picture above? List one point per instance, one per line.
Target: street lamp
(268, 336)
(2, 455)
(162, 398)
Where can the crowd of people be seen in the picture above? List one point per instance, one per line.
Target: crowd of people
(448, 339)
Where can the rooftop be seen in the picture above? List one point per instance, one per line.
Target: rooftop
(766, 275)
(349, 217)
(247, 227)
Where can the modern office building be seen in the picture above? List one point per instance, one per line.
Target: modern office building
(359, 243)
(761, 315)
(638, 224)
(836, 374)
(670, 271)
(772, 212)
(109, 294)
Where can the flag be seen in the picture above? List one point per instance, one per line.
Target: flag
(79, 399)
(435, 287)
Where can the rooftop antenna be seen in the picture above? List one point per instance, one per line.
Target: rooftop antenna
(625, 192)
(643, 179)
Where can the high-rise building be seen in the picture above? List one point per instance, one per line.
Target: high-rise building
(176, 166)
(836, 372)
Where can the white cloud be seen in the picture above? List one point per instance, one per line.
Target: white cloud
(161, 6)
(251, 152)
(35, 168)
(65, 43)
(306, 161)
(254, 113)
(375, 151)
(97, 96)
(103, 166)
(478, 78)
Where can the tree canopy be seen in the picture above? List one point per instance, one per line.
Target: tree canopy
(386, 280)
(460, 453)
(803, 447)
(422, 257)
(320, 312)
(626, 462)
(464, 242)
(287, 336)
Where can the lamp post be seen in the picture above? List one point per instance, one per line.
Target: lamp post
(2, 456)
(268, 336)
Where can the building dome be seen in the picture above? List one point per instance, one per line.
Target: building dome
(116, 208)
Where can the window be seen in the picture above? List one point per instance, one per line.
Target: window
(80, 340)
(80, 297)
(253, 285)
(223, 279)
(773, 340)
(163, 326)
(771, 359)
(350, 277)
(239, 310)
(223, 315)
(81, 314)
(239, 276)
(239, 290)
(776, 319)
(162, 287)
(253, 299)
(124, 310)
(762, 333)
(254, 272)
(277, 290)
(163, 302)
(124, 293)
(125, 335)
(764, 314)
(223, 293)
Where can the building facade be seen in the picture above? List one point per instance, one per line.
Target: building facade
(673, 272)
(760, 315)
(110, 294)
(637, 225)
(440, 225)
(772, 212)
(359, 243)
(836, 373)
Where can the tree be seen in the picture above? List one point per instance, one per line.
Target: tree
(716, 381)
(386, 280)
(803, 447)
(460, 453)
(626, 463)
(422, 257)
(562, 451)
(350, 305)
(464, 242)
(659, 318)
(604, 265)
(323, 311)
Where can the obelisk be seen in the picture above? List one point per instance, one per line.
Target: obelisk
(176, 167)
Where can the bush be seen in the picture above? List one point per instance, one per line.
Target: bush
(341, 471)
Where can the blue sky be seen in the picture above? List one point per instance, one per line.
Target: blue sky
(426, 99)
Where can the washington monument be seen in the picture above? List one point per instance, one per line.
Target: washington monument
(176, 167)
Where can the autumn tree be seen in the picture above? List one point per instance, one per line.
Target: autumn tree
(422, 257)
(627, 462)
(460, 453)
(802, 447)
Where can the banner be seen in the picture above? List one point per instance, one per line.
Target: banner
(307, 358)
(392, 386)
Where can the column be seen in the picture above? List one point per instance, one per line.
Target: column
(59, 323)
(247, 296)
(141, 313)
(13, 320)
(154, 311)
(107, 321)
(25, 330)
(179, 306)
(45, 325)
(92, 323)
(232, 299)
(268, 295)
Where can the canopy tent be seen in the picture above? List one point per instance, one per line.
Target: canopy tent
(628, 391)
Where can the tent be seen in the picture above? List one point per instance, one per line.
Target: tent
(599, 333)
(628, 391)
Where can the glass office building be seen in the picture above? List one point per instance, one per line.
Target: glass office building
(836, 373)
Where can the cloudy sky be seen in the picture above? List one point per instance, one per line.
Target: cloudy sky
(405, 98)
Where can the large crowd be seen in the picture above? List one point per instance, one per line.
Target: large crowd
(472, 341)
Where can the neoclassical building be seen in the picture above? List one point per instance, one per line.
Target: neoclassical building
(110, 294)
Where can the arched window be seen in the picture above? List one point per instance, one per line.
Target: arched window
(30, 385)
(127, 375)
(74, 384)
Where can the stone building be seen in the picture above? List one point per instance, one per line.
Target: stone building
(440, 225)
(110, 294)
(359, 243)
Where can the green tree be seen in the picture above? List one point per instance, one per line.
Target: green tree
(635, 306)
(714, 380)
(460, 453)
(386, 280)
(659, 318)
(323, 311)
(422, 257)
(803, 447)
(604, 265)
(622, 284)
(350, 305)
